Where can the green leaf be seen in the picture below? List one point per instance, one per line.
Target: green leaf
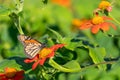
(97, 55)
(4, 11)
(74, 65)
(62, 76)
(59, 37)
(115, 69)
(108, 43)
(9, 63)
(71, 45)
(64, 69)
(67, 41)
(92, 73)
(116, 65)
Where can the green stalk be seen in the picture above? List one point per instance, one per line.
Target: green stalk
(19, 26)
(16, 20)
(63, 69)
(114, 19)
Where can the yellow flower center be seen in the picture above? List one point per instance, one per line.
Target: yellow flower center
(104, 4)
(44, 52)
(97, 20)
(10, 72)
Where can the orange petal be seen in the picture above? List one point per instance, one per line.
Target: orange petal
(107, 18)
(31, 60)
(35, 64)
(86, 25)
(42, 61)
(113, 26)
(51, 54)
(55, 47)
(95, 29)
(104, 26)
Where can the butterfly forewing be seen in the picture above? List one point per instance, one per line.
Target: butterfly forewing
(31, 46)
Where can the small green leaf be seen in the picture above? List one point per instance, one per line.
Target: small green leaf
(97, 55)
(4, 11)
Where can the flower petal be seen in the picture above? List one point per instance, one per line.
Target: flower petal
(2, 76)
(95, 29)
(19, 75)
(113, 26)
(104, 26)
(55, 47)
(41, 62)
(106, 18)
(35, 64)
(51, 54)
(86, 25)
(31, 60)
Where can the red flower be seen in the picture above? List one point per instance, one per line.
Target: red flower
(43, 55)
(12, 74)
(98, 23)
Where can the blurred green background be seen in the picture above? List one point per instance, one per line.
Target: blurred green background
(37, 17)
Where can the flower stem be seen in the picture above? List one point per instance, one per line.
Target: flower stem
(16, 20)
(114, 19)
(14, 14)
(19, 26)
(63, 69)
(101, 63)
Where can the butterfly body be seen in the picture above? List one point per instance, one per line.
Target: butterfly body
(31, 46)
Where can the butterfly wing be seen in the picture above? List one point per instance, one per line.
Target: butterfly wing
(31, 46)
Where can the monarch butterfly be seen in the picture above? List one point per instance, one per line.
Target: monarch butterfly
(31, 46)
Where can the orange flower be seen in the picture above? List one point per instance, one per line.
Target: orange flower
(105, 5)
(43, 55)
(98, 23)
(65, 3)
(78, 23)
(12, 74)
